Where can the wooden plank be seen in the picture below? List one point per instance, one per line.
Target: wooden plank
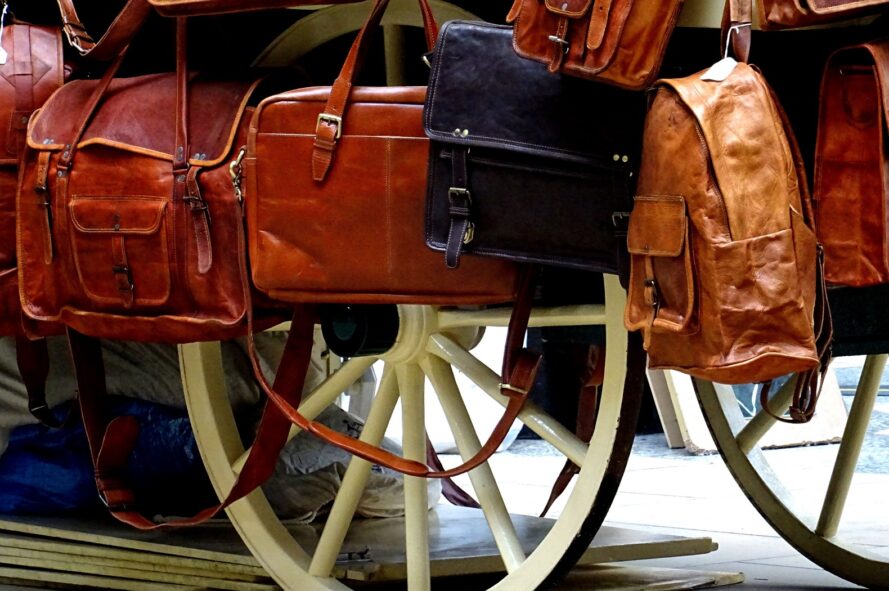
(633, 578)
(60, 563)
(198, 566)
(62, 580)
(167, 564)
(215, 541)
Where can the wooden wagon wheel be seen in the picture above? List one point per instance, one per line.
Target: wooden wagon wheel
(429, 343)
(814, 526)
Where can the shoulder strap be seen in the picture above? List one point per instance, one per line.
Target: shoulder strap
(118, 35)
(737, 20)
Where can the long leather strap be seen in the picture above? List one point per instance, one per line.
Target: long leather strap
(115, 39)
(737, 19)
(33, 363)
(331, 120)
(519, 371)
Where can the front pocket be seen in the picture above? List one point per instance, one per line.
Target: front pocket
(120, 249)
(662, 284)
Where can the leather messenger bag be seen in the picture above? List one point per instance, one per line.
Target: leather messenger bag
(620, 42)
(526, 165)
(851, 191)
(783, 14)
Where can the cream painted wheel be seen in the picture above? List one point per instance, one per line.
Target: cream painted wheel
(428, 344)
(845, 531)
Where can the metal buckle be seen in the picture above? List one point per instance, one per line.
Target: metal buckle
(559, 40)
(619, 216)
(124, 270)
(459, 192)
(512, 388)
(469, 234)
(331, 119)
(655, 297)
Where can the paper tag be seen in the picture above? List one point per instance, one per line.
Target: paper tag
(720, 70)
(3, 56)
(3, 53)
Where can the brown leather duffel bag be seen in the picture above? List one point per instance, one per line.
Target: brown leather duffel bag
(620, 42)
(783, 14)
(724, 278)
(851, 189)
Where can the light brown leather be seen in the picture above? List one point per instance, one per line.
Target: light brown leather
(723, 259)
(851, 188)
(341, 219)
(783, 14)
(619, 42)
(201, 7)
(34, 69)
(117, 198)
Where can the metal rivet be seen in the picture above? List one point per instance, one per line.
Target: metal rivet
(24, 119)
(180, 178)
(564, 6)
(456, 132)
(625, 159)
(616, 157)
(200, 156)
(47, 141)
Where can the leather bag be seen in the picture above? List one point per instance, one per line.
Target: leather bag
(724, 280)
(203, 7)
(851, 189)
(526, 165)
(350, 165)
(783, 14)
(620, 42)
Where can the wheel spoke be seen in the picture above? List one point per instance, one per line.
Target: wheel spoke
(355, 479)
(850, 447)
(411, 384)
(323, 396)
(555, 316)
(760, 424)
(531, 415)
(482, 478)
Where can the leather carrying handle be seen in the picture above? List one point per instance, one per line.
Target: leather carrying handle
(331, 119)
(115, 39)
(519, 372)
(737, 22)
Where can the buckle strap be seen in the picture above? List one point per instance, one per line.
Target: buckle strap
(461, 230)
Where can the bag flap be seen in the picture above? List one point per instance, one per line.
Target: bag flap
(130, 215)
(524, 108)
(569, 8)
(744, 137)
(871, 59)
(657, 226)
(138, 115)
(837, 7)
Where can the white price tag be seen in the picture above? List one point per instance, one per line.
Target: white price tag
(720, 70)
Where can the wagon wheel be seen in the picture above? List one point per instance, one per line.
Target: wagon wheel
(841, 531)
(429, 343)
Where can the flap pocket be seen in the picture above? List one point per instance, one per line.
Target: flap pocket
(662, 284)
(127, 215)
(657, 226)
(569, 8)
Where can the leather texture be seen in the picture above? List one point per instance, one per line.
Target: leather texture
(783, 14)
(203, 7)
(34, 69)
(359, 233)
(619, 42)
(121, 235)
(723, 278)
(851, 187)
(539, 164)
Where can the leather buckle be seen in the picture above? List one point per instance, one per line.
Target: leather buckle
(455, 193)
(620, 218)
(560, 41)
(330, 120)
(76, 34)
(651, 283)
(125, 271)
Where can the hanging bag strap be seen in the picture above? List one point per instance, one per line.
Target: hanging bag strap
(115, 39)
(737, 22)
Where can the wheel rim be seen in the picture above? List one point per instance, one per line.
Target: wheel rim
(428, 348)
(816, 531)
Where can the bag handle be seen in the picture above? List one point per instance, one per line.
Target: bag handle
(115, 39)
(330, 121)
(519, 372)
(737, 22)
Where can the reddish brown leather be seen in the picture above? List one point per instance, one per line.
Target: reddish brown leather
(783, 14)
(122, 253)
(33, 71)
(359, 200)
(728, 293)
(116, 37)
(851, 188)
(201, 7)
(619, 42)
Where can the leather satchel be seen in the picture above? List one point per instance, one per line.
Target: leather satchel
(783, 14)
(851, 188)
(725, 281)
(335, 184)
(619, 42)
(526, 165)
